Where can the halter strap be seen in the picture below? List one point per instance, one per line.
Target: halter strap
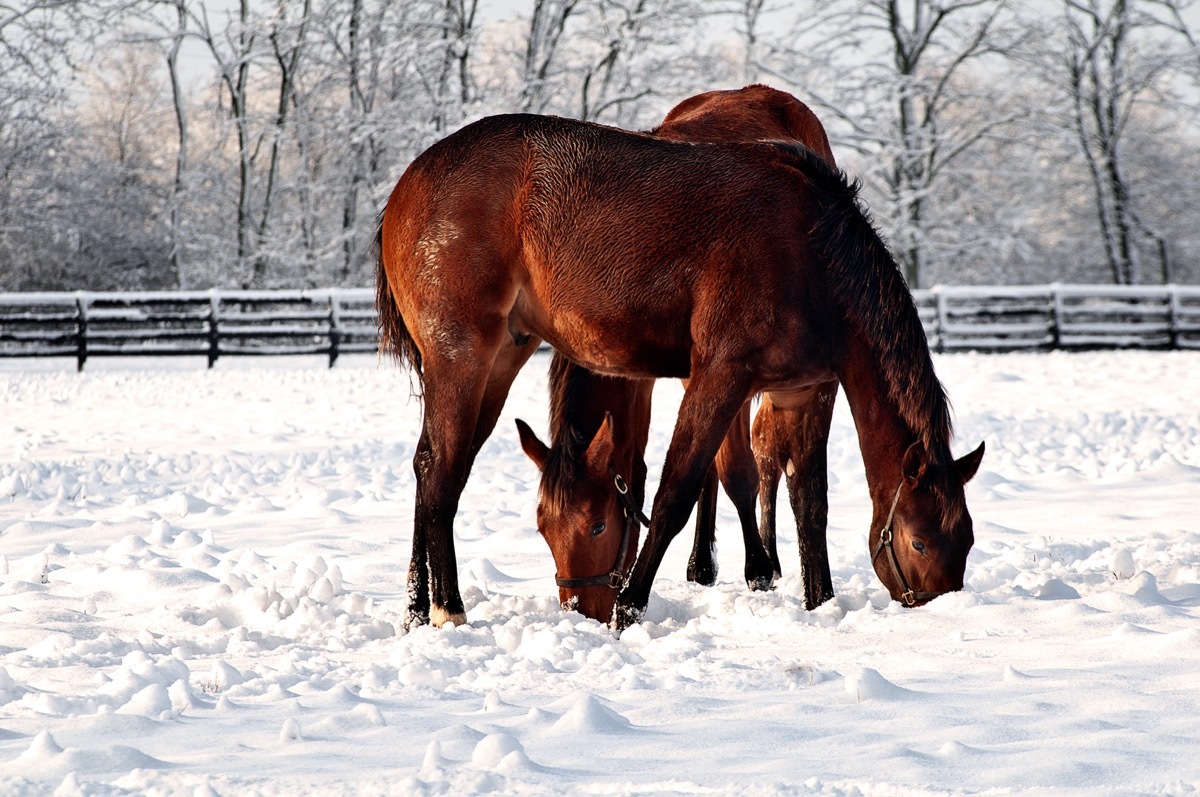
(615, 578)
(908, 597)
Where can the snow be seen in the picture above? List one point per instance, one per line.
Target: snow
(202, 583)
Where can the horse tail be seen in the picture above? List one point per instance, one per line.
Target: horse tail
(394, 338)
(867, 284)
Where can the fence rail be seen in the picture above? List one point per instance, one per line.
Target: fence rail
(1061, 317)
(210, 324)
(333, 322)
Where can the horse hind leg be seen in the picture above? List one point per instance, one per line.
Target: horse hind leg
(440, 465)
(417, 612)
(462, 403)
(766, 457)
(513, 355)
(806, 437)
(739, 476)
(702, 564)
(808, 489)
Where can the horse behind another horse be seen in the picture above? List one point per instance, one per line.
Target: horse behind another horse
(594, 471)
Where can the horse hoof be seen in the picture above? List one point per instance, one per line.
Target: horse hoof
(810, 605)
(440, 617)
(415, 620)
(705, 576)
(761, 584)
(625, 616)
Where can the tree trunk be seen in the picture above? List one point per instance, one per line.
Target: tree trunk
(181, 152)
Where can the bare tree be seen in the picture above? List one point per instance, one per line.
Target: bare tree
(893, 75)
(382, 89)
(179, 104)
(288, 38)
(749, 13)
(1112, 62)
(634, 56)
(234, 48)
(547, 23)
(287, 140)
(38, 39)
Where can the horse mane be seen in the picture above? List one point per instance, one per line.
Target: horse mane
(569, 386)
(875, 300)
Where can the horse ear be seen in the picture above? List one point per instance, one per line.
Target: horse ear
(912, 464)
(534, 448)
(600, 450)
(969, 464)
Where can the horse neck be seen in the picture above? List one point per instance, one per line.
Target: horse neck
(883, 435)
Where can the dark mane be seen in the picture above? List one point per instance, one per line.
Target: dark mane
(570, 385)
(874, 298)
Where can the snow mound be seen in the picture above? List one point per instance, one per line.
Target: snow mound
(868, 684)
(589, 715)
(497, 751)
(45, 758)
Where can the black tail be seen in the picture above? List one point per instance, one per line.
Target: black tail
(394, 338)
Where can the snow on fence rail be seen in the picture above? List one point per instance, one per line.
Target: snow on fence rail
(1003, 318)
(332, 322)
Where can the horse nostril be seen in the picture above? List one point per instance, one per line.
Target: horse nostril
(919, 547)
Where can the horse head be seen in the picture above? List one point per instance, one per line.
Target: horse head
(589, 517)
(921, 535)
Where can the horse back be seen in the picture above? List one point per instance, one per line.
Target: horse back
(579, 233)
(754, 112)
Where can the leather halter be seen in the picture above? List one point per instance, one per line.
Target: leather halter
(908, 597)
(615, 578)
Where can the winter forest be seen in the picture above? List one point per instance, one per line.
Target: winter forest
(188, 144)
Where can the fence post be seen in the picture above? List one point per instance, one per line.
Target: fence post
(1173, 313)
(1055, 311)
(940, 300)
(214, 334)
(81, 330)
(335, 331)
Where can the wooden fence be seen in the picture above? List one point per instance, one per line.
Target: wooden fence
(1061, 317)
(214, 324)
(209, 324)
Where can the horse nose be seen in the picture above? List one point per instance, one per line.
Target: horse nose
(595, 603)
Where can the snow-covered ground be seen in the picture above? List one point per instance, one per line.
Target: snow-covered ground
(202, 583)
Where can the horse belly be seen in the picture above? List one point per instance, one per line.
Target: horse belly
(606, 342)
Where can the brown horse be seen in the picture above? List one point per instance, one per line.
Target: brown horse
(584, 511)
(746, 268)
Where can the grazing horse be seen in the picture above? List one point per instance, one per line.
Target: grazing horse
(585, 503)
(746, 268)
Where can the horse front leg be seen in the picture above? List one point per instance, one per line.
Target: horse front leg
(710, 402)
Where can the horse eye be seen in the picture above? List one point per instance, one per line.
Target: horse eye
(919, 547)
(598, 529)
